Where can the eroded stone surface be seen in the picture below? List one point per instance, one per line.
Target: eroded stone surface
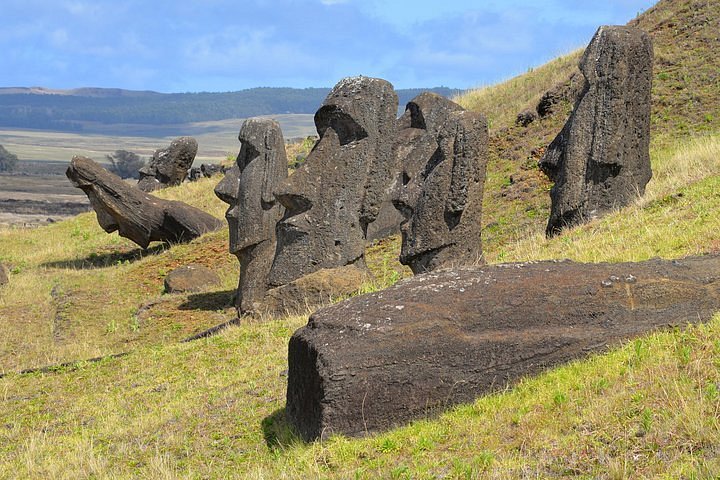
(332, 198)
(442, 150)
(3, 274)
(168, 166)
(446, 337)
(248, 188)
(600, 161)
(138, 216)
(190, 278)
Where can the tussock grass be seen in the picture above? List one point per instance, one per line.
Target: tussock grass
(676, 217)
(500, 103)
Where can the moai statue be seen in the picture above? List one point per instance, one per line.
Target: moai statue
(337, 192)
(442, 150)
(248, 188)
(600, 161)
(168, 166)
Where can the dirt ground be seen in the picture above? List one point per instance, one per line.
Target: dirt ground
(38, 193)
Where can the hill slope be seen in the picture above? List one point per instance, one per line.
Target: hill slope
(213, 408)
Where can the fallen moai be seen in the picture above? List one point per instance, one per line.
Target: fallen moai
(442, 338)
(442, 151)
(190, 278)
(336, 193)
(136, 215)
(600, 161)
(168, 166)
(254, 212)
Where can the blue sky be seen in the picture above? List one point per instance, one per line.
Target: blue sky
(226, 45)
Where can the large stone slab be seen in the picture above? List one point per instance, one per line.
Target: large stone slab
(332, 198)
(600, 161)
(447, 337)
(134, 214)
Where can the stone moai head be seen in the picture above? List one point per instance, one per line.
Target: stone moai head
(337, 192)
(442, 150)
(248, 186)
(600, 161)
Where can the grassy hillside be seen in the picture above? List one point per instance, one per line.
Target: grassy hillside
(213, 408)
(686, 103)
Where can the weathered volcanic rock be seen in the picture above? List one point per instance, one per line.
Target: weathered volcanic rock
(442, 338)
(168, 166)
(254, 212)
(600, 161)
(136, 215)
(3, 274)
(442, 150)
(332, 198)
(190, 278)
(312, 290)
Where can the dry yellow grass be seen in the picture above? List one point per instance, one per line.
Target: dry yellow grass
(502, 102)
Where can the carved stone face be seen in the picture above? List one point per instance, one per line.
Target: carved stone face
(441, 150)
(332, 197)
(248, 186)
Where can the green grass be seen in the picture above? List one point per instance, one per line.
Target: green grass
(213, 408)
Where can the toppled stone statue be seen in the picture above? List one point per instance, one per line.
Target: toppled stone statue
(136, 215)
(600, 161)
(379, 360)
(336, 193)
(442, 150)
(168, 166)
(254, 212)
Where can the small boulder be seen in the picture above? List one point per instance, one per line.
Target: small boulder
(190, 278)
(526, 117)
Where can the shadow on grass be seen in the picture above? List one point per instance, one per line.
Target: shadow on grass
(103, 260)
(278, 433)
(210, 301)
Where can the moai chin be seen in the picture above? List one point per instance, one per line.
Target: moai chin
(337, 192)
(248, 188)
(442, 150)
(600, 161)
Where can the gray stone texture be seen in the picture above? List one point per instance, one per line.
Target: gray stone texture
(168, 166)
(248, 188)
(600, 161)
(332, 198)
(442, 152)
(379, 360)
(190, 278)
(3, 274)
(134, 214)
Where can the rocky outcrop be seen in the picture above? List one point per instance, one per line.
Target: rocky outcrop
(442, 150)
(600, 161)
(133, 214)
(254, 212)
(168, 166)
(190, 278)
(442, 338)
(3, 274)
(336, 193)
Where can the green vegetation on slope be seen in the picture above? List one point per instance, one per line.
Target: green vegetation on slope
(213, 408)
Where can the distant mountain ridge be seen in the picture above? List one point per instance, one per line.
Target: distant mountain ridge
(76, 110)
